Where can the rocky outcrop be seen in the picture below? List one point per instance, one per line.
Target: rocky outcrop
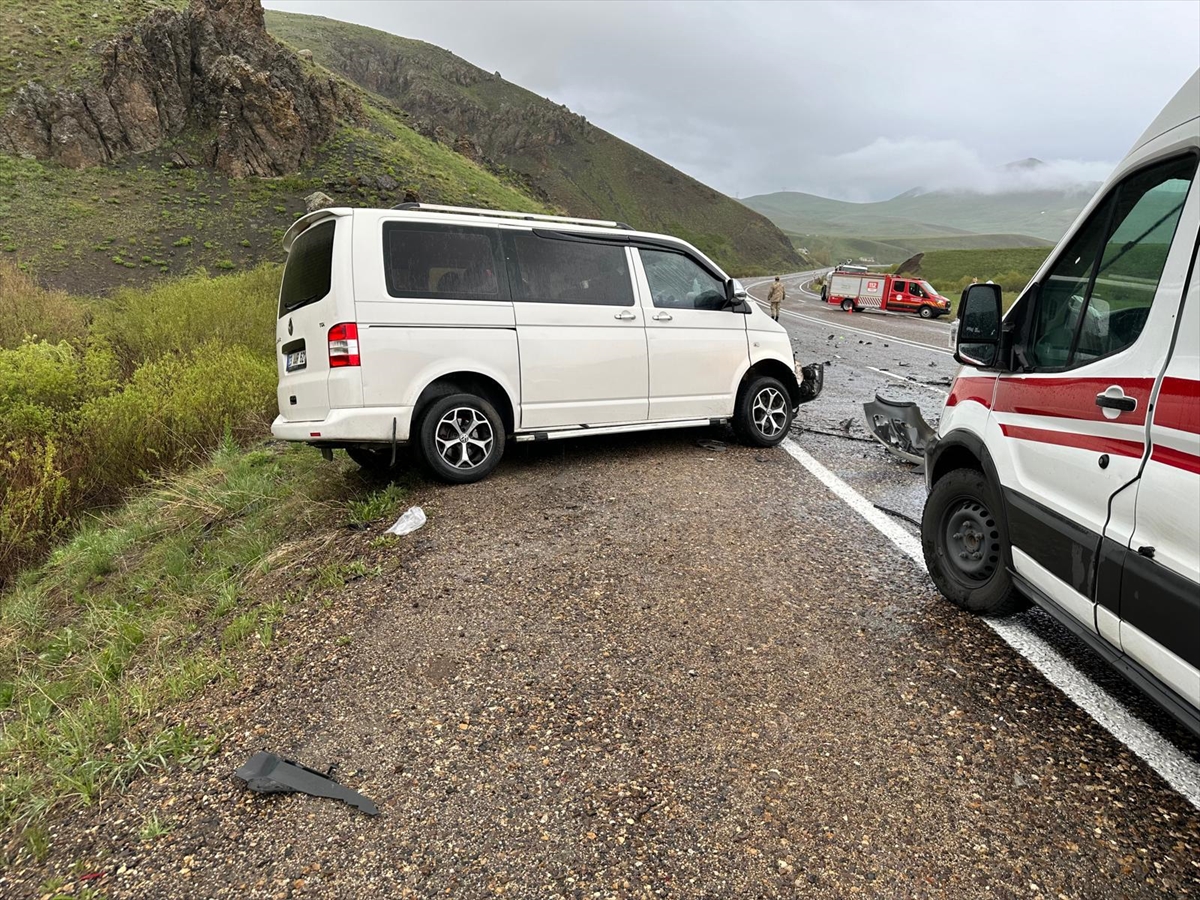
(211, 66)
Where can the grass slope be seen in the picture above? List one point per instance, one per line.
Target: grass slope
(50, 41)
(830, 249)
(1041, 214)
(952, 270)
(577, 167)
(160, 601)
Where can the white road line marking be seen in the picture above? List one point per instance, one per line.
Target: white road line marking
(1161, 755)
(921, 384)
(875, 334)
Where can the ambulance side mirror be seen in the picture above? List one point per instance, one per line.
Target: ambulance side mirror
(978, 340)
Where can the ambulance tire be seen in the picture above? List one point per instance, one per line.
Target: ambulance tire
(965, 544)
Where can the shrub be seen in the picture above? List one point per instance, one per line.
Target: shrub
(174, 317)
(27, 310)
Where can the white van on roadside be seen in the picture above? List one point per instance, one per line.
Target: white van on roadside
(457, 330)
(1067, 467)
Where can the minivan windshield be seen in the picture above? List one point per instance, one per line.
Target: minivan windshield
(306, 277)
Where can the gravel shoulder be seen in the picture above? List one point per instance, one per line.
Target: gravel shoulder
(637, 667)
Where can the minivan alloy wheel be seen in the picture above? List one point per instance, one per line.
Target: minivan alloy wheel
(464, 438)
(770, 411)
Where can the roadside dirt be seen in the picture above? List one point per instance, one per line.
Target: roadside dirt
(639, 667)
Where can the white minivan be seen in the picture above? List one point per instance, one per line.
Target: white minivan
(1067, 467)
(459, 329)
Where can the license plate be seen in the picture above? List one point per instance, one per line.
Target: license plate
(296, 360)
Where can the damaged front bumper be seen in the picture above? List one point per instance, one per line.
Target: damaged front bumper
(811, 379)
(900, 427)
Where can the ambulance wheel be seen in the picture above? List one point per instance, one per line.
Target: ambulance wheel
(848, 304)
(965, 542)
(926, 312)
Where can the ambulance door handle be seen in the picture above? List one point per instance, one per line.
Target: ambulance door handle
(1114, 398)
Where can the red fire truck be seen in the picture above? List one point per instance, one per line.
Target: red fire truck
(854, 291)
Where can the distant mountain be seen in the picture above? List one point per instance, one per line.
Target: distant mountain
(915, 213)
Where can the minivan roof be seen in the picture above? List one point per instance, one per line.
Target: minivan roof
(1183, 107)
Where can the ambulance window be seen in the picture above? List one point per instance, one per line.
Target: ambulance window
(899, 287)
(1096, 298)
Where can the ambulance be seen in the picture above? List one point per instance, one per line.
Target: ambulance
(1067, 465)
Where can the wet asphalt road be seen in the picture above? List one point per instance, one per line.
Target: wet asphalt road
(901, 357)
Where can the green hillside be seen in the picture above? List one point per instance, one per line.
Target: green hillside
(1041, 214)
(830, 249)
(562, 158)
(952, 270)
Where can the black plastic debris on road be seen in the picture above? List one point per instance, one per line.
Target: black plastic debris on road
(900, 427)
(266, 773)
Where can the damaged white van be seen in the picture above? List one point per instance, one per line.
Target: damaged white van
(457, 330)
(1067, 468)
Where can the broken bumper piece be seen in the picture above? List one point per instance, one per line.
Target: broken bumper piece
(811, 379)
(900, 427)
(266, 773)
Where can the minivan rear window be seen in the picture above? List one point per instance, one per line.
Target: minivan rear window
(442, 261)
(306, 277)
(545, 270)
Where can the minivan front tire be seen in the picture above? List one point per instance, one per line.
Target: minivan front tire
(460, 438)
(964, 543)
(764, 412)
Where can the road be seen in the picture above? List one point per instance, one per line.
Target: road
(652, 665)
(903, 357)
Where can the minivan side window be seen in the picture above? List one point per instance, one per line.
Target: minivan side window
(1096, 298)
(306, 277)
(677, 282)
(552, 270)
(442, 262)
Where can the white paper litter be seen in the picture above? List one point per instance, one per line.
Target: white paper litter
(413, 518)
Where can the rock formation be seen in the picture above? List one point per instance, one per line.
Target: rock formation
(211, 66)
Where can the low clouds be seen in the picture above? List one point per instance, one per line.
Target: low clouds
(851, 99)
(874, 171)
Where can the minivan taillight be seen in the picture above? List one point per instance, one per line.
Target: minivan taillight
(343, 345)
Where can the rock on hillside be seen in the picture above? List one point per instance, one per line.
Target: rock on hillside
(211, 66)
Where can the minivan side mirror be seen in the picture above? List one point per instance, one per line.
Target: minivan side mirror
(978, 339)
(736, 297)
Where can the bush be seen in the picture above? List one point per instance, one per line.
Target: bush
(27, 310)
(159, 378)
(172, 318)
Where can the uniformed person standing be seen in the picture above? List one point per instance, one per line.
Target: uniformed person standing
(775, 297)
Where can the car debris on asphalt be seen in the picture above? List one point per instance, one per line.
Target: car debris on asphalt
(900, 427)
(267, 773)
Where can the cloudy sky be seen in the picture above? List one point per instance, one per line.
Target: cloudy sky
(855, 100)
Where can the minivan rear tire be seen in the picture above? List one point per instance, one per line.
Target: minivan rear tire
(961, 517)
(460, 438)
(764, 412)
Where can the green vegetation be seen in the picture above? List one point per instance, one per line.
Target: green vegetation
(95, 395)
(1040, 214)
(831, 250)
(49, 41)
(145, 609)
(538, 145)
(950, 271)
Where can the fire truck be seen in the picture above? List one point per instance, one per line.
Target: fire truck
(855, 291)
